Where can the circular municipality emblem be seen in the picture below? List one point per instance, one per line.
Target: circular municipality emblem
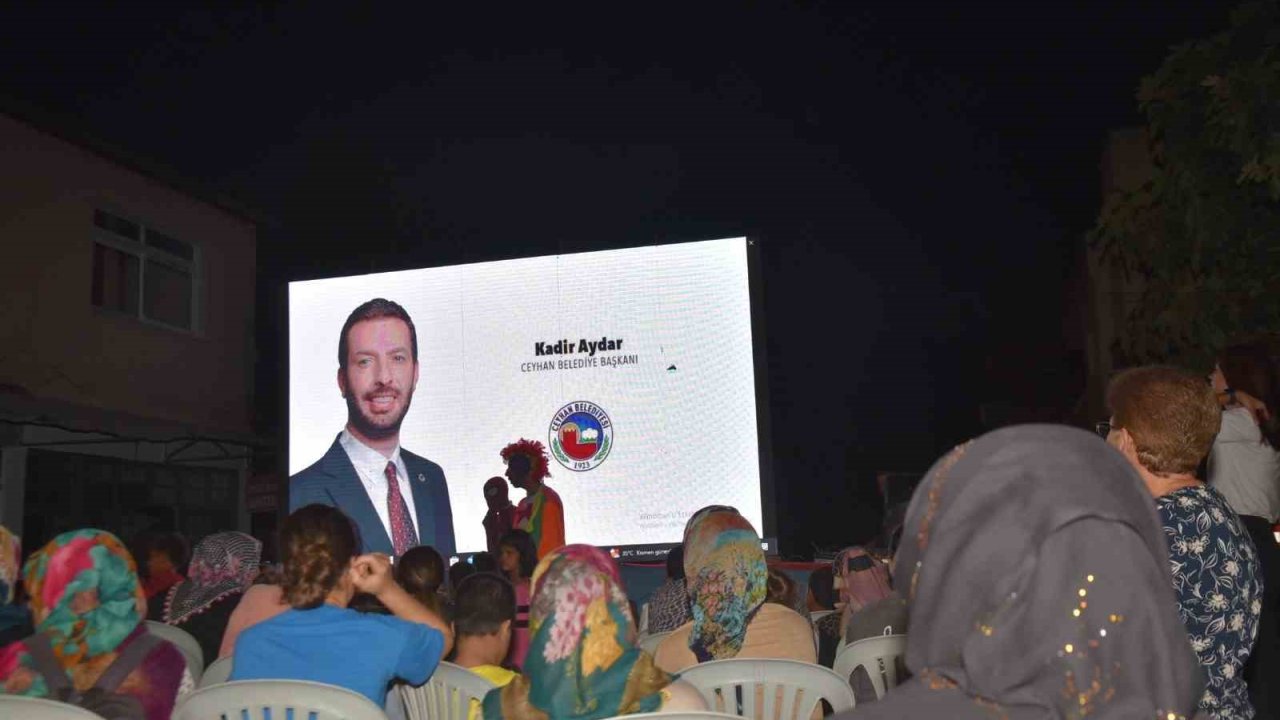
(581, 435)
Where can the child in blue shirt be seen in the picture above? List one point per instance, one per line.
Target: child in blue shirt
(319, 638)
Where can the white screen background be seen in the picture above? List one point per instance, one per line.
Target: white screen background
(682, 439)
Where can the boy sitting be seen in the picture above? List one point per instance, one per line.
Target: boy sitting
(484, 611)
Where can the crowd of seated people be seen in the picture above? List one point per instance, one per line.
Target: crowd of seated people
(1041, 573)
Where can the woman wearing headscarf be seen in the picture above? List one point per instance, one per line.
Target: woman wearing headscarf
(583, 661)
(1037, 579)
(223, 567)
(15, 620)
(87, 603)
(869, 607)
(727, 578)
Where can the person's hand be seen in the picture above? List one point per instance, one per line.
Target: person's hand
(1255, 406)
(372, 573)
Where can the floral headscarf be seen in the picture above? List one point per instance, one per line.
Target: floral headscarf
(87, 600)
(860, 587)
(223, 564)
(583, 662)
(727, 578)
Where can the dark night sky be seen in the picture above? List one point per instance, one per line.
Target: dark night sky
(921, 173)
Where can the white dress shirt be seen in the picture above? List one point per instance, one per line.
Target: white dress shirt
(371, 466)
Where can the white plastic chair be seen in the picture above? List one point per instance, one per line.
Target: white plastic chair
(817, 615)
(28, 708)
(644, 619)
(275, 700)
(218, 672)
(650, 643)
(446, 696)
(680, 715)
(768, 689)
(184, 641)
(877, 655)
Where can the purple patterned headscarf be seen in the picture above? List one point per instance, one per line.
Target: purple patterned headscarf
(222, 564)
(1037, 581)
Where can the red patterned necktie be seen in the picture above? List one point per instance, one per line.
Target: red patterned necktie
(402, 535)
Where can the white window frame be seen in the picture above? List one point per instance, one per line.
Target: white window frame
(143, 252)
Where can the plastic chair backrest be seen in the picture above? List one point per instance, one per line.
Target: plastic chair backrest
(644, 619)
(184, 641)
(216, 673)
(680, 715)
(28, 708)
(650, 643)
(446, 696)
(276, 700)
(877, 655)
(768, 689)
(817, 615)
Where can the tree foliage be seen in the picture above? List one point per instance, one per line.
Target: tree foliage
(1200, 238)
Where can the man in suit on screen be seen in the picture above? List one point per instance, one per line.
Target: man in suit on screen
(398, 499)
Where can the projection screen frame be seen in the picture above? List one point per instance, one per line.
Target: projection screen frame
(755, 291)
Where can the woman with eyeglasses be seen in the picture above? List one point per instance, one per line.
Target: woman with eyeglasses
(1244, 466)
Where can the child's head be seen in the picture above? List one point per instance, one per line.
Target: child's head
(780, 589)
(162, 553)
(822, 594)
(495, 493)
(484, 611)
(420, 571)
(517, 557)
(460, 570)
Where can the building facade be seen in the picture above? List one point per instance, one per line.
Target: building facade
(126, 343)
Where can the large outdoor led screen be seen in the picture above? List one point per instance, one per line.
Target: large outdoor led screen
(635, 367)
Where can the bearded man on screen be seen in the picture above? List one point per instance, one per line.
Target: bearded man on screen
(540, 513)
(398, 500)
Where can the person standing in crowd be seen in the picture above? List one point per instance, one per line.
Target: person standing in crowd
(396, 498)
(1038, 584)
(726, 575)
(421, 572)
(15, 620)
(319, 638)
(584, 662)
(669, 604)
(1244, 466)
(87, 605)
(223, 567)
(501, 518)
(540, 513)
(1163, 421)
(516, 560)
(483, 618)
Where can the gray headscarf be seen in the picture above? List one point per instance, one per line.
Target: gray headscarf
(1038, 586)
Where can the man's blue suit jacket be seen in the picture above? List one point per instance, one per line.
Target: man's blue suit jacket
(332, 480)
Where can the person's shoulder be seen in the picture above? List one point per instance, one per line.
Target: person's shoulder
(550, 493)
(1238, 425)
(495, 674)
(316, 471)
(391, 626)
(775, 613)
(420, 463)
(681, 696)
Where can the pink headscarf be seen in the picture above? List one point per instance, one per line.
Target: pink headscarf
(860, 588)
